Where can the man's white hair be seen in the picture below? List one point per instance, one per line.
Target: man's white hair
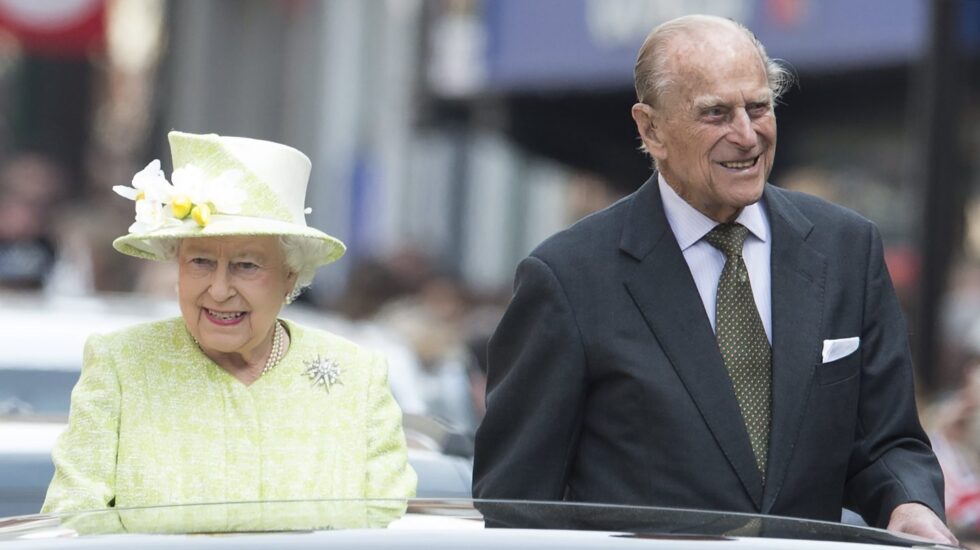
(652, 76)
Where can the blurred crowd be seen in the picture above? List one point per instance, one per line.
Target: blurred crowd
(953, 424)
(952, 418)
(31, 186)
(433, 328)
(55, 235)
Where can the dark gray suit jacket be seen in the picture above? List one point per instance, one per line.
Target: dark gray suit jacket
(606, 383)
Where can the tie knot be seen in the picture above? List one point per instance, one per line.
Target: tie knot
(729, 238)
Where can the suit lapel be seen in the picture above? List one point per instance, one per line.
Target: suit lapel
(798, 281)
(661, 285)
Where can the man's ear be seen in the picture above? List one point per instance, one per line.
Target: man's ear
(647, 122)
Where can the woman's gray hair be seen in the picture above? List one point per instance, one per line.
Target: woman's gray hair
(298, 257)
(299, 253)
(652, 77)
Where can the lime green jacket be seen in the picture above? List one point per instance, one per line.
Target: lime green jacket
(154, 421)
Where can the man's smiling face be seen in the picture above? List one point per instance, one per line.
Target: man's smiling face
(715, 124)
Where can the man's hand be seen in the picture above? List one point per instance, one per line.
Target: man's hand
(916, 519)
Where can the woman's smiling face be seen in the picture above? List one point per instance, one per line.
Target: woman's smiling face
(231, 290)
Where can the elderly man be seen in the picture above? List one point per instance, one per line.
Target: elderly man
(710, 341)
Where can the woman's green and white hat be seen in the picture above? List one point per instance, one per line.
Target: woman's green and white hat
(223, 186)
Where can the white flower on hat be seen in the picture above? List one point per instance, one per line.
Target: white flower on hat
(187, 190)
(150, 190)
(150, 215)
(189, 179)
(221, 192)
(225, 194)
(149, 183)
(195, 194)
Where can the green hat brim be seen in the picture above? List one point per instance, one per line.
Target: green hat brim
(140, 245)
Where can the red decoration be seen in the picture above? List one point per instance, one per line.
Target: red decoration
(55, 28)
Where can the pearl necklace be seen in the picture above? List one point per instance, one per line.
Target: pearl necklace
(278, 349)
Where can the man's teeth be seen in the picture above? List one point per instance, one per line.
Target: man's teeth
(225, 316)
(740, 164)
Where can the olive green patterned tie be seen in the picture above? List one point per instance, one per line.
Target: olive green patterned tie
(742, 339)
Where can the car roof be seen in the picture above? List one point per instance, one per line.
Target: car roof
(438, 523)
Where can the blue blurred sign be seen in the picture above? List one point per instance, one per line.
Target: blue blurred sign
(593, 43)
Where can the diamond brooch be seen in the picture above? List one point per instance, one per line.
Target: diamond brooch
(323, 372)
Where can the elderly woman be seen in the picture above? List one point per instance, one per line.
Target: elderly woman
(228, 402)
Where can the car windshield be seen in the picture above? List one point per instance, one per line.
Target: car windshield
(33, 393)
(617, 524)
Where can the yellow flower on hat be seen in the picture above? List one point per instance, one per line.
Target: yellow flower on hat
(181, 206)
(201, 214)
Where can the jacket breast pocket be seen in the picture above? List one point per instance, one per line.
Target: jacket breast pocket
(840, 370)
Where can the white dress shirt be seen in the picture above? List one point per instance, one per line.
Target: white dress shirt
(706, 262)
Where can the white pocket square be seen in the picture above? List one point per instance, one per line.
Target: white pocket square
(842, 347)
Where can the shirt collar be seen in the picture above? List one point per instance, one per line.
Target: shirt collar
(690, 225)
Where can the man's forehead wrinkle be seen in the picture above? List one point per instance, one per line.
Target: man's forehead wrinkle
(696, 61)
(695, 50)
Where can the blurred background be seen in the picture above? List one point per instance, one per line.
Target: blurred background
(448, 137)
